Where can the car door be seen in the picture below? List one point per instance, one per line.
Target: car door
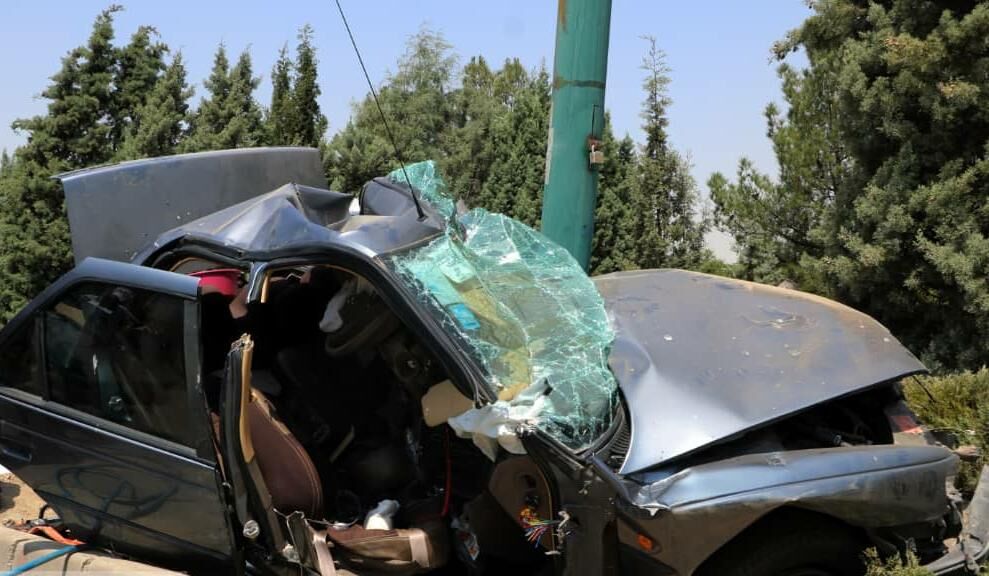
(102, 413)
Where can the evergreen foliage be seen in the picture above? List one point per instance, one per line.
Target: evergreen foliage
(75, 132)
(669, 228)
(310, 124)
(884, 155)
(280, 118)
(135, 75)
(294, 118)
(489, 135)
(229, 117)
(163, 117)
(487, 128)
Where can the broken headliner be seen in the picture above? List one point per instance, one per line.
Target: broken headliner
(296, 217)
(702, 358)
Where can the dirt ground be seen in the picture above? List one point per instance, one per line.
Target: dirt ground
(17, 501)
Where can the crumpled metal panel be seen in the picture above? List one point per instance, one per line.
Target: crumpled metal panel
(116, 210)
(702, 358)
(695, 511)
(525, 311)
(295, 216)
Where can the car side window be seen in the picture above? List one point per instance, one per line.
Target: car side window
(19, 363)
(118, 353)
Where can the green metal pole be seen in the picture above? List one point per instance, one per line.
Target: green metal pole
(576, 122)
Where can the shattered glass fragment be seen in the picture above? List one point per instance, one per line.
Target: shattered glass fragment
(524, 310)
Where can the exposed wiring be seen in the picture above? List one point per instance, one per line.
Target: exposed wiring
(535, 527)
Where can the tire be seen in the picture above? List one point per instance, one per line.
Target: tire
(790, 543)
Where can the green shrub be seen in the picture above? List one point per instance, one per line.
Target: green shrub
(894, 566)
(958, 405)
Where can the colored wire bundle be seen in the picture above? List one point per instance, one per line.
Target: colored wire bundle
(535, 528)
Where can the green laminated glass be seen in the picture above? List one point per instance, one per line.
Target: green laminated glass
(522, 307)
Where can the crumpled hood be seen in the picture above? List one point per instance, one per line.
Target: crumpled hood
(702, 358)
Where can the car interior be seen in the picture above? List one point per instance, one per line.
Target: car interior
(349, 411)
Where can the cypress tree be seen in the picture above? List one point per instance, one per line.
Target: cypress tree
(5, 163)
(138, 67)
(163, 116)
(210, 118)
(471, 151)
(228, 117)
(420, 109)
(671, 229)
(245, 127)
(280, 115)
(613, 246)
(308, 123)
(519, 129)
(74, 133)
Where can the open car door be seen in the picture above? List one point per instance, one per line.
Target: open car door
(103, 415)
(260, 524)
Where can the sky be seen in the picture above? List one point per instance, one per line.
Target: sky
(719, 52)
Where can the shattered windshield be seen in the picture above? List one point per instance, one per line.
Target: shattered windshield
(524, 310)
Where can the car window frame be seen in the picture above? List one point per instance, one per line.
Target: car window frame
(131, 276)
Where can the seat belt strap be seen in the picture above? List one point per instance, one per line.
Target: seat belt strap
(324, 558)
(419, 547)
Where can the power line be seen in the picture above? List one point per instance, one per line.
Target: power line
(384, 119)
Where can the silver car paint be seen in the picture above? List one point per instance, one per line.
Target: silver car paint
(702, 358)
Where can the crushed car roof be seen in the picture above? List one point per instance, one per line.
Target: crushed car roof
(253, 201)
(296, 218)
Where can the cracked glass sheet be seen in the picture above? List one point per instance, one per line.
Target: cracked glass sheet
(523, 308)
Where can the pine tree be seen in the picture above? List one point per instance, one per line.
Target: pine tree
(519, 137)
(309, 124)
(163, 116)
(670, 228)
(884, 171)
(280, 118)
(420, 108)
(229, 117)
(210, 118)
(613, 246)
(135, 75)
(245, 127)
(74, 133)
(471, 150)
(6, 163)
(774, 224)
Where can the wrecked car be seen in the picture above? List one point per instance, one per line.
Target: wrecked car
(249, 373)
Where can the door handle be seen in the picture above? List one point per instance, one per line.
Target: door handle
(15, 451)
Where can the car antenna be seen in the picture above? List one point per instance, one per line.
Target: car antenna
(384, 119)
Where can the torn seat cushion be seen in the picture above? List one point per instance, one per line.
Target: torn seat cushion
(399, 551)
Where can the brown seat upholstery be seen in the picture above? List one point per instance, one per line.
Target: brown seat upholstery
(396, 552)
(287, 469)
(294, 485)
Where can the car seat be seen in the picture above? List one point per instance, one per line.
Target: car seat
(294, 485)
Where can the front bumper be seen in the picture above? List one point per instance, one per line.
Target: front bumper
(972, 548)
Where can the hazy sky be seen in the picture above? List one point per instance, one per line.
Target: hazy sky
(718, 50)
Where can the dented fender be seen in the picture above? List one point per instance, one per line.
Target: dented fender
(693, 512)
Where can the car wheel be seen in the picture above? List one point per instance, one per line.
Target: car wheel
(790, 544)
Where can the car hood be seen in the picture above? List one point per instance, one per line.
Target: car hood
(702, 358)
